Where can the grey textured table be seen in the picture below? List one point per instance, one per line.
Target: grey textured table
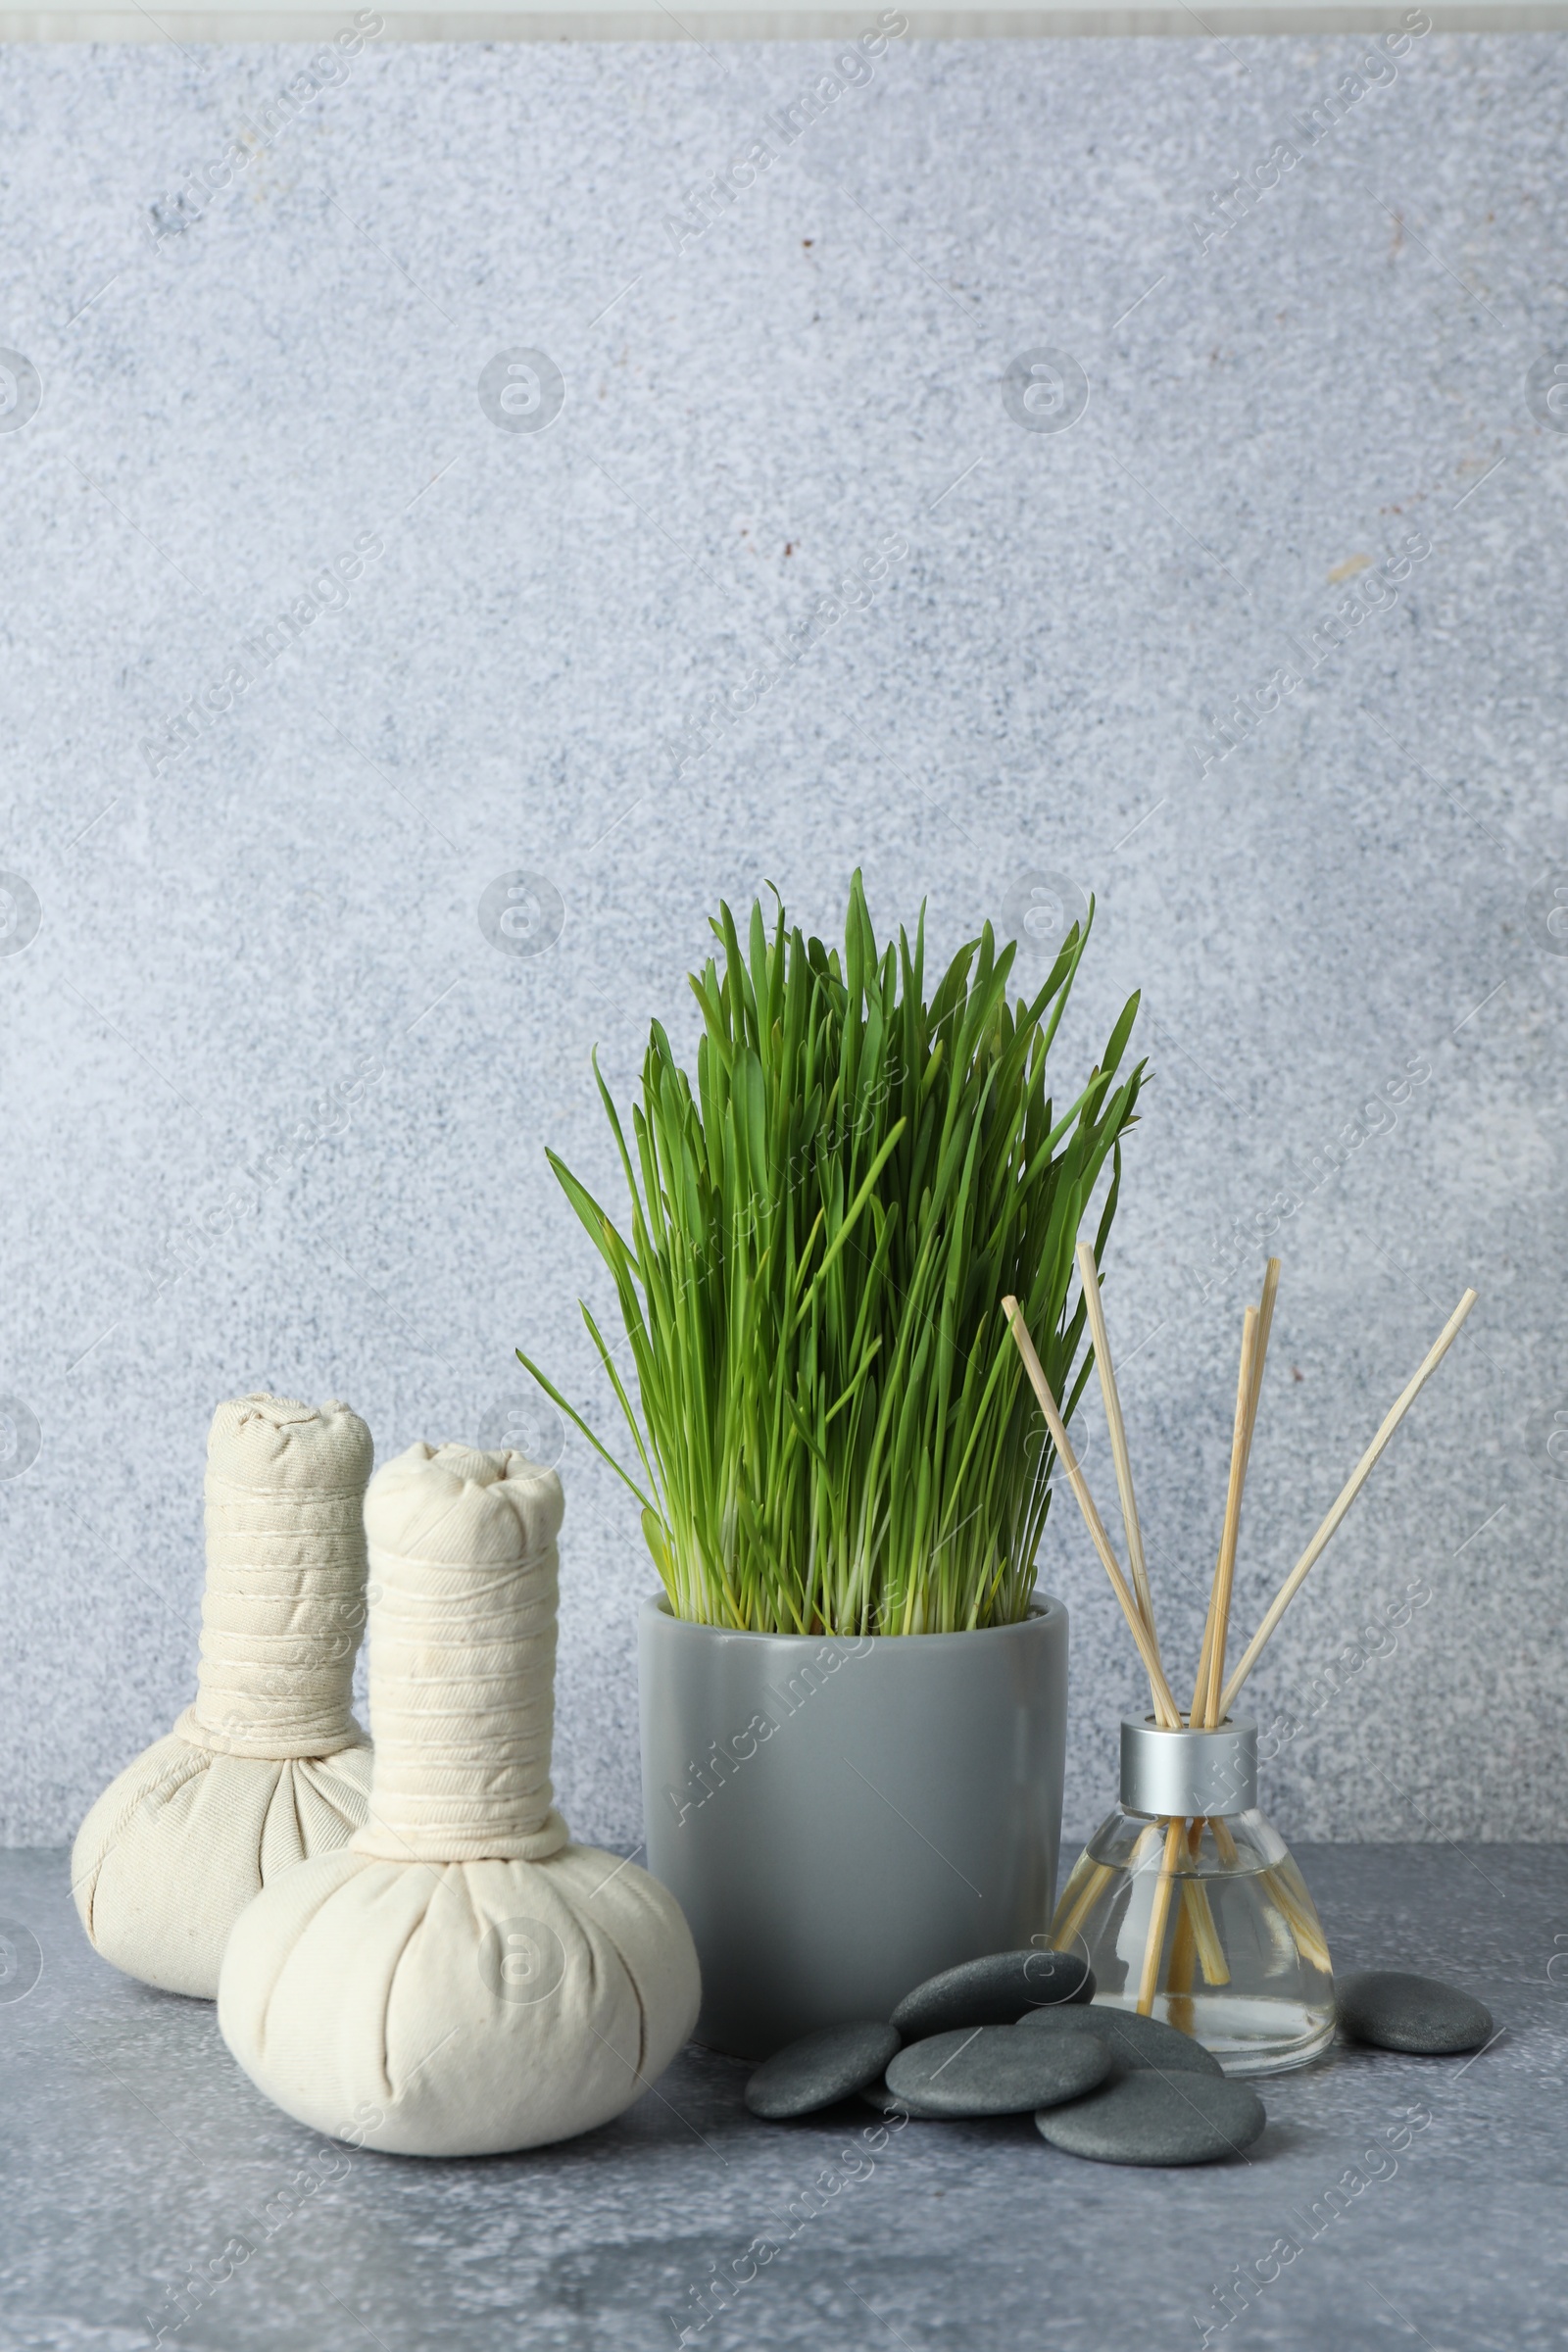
(1391, 2201)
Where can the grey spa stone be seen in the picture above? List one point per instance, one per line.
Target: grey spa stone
(995, 1990)
(996, 2069)
(820, 2069)
(1149, 2118)
(1419, 2015)
(1135, 2042)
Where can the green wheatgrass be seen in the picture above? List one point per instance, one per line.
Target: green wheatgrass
(836, 1434)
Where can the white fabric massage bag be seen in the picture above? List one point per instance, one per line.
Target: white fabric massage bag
(461, 1979)
(268, 1764)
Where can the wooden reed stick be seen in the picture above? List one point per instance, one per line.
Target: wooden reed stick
(1211, 1951)
(1148, 1836)
(1160, 1912)
(1306, 1936)
(1266, 1322)
(1069, 1920)
(1352, 1487)
(1225, 1566)
(1205, 1935)
(1195, 1712)
(1222, 1627)
(1308, 1939)
(1095, 1879)
(1089, 1276)
(1179, 1973)
(1165, 1706)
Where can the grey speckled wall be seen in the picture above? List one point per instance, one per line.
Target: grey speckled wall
(1264, 645)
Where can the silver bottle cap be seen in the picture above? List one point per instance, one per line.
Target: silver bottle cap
(1183, 1775)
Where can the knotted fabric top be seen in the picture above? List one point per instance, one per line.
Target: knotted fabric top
(464, 1590)
(285, 1603)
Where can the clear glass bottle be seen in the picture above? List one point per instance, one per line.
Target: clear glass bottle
(1187, 1905)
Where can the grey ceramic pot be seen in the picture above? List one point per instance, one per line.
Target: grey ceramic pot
(839, 1818)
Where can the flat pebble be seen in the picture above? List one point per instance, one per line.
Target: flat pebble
(1135, 2042)
(1415, 2014)
(996, 2069)
(1147, 2118)
(994, 1991)
(831, 2064)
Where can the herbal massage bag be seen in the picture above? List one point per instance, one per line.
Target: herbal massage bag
(461, 1979)
(268, 1764)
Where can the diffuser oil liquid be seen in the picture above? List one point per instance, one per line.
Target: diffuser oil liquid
(1241, 1964)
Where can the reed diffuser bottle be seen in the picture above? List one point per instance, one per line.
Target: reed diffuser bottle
(1184, 1901)
(1188, 1907)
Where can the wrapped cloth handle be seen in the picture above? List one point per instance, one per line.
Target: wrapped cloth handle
(463, 1595)
(283, 1607)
